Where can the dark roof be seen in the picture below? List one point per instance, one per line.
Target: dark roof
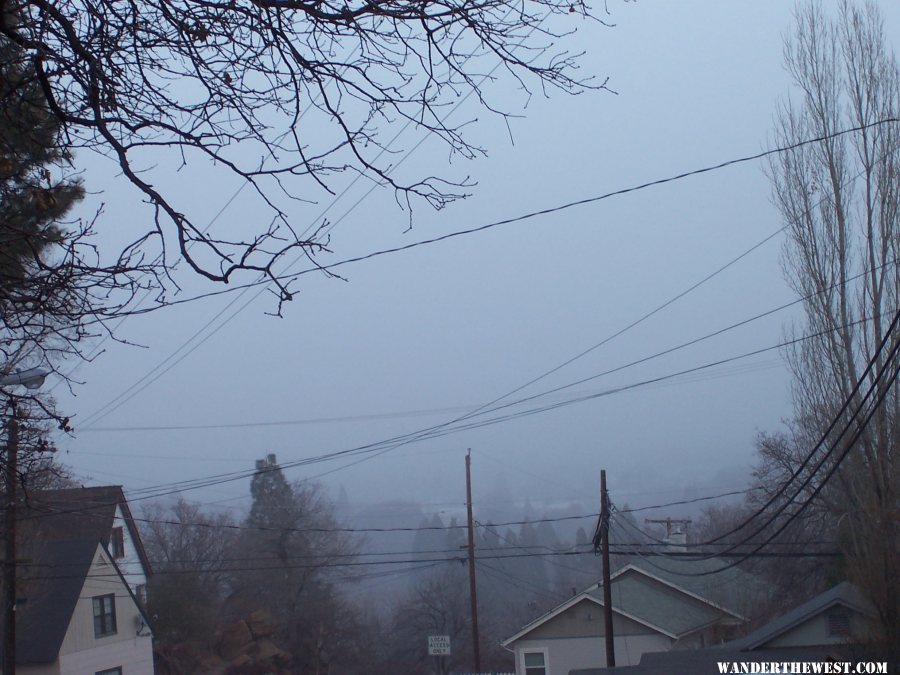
(50, 586)
(845, 594)
(79, 513)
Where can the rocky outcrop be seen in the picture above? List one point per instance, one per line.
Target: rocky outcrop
(245, 647)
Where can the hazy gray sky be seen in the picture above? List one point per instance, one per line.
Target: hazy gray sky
(421, 337)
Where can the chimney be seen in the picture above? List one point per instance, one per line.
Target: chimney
(677, 541)
(676, 535)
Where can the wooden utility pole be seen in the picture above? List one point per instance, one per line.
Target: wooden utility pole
(607, 592)
(9, 563)
(476, 648)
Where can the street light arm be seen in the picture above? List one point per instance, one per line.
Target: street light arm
(32, 378)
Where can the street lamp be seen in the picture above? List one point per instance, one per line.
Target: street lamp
(32, 378)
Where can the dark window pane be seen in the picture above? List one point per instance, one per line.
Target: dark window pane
(104, 615)
(117, 543)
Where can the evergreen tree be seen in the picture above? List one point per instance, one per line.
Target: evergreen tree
(32, 200)
(273, 498)
(289, 546)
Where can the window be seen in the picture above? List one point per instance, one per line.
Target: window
(117, 543)
(535, 663)
(140, 592)
(104, 615)
(110, 671)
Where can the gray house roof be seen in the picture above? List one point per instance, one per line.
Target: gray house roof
(845, 594)
(660, 598)
(732, 588)
(80, 513)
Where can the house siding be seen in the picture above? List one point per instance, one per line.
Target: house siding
(130, 565)
(565, 654)
(649, 615)
(585, 619)
(134, 656)
(814, 632)
(82, 653)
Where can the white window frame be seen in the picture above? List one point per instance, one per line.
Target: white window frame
(535, 650)
(108, 620)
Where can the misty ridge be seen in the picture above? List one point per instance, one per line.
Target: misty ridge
(389, 573)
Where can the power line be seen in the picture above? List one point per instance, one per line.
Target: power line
(372, 563)
(399, 441)
(895, 323)
(266, 281)
(97, 349)
(429, 432)
(45, 511)
(879, 399)
(432, 411)
(120, 400)
(40, 511)
(181, 486)
(380, 447)
(516, 582)
(562, 207)
(695, 500)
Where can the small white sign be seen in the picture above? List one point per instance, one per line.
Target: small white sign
(438, 645)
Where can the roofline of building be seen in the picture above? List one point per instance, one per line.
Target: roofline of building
(574, 600)
(804, 612)
(715, 605)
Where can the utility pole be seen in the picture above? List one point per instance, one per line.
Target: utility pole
(607, 592)
(9, 564)
(476, 648)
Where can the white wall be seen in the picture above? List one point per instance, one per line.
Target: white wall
(565, 654)
(130, 565)
(82, 653)
(134, 656)
(814, 632)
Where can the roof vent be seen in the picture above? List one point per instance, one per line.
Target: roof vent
(838, 622)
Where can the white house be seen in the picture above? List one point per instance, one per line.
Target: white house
(654, 610)
(834, 626)
(80, 588)
(838, 616)
(78, 615)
